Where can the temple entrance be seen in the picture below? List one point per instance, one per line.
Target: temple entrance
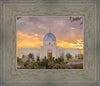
(49, 54)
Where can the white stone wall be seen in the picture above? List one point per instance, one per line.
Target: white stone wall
(73, 51)
(43, 51)
(49, 43)
(26, 51)
(48, 48)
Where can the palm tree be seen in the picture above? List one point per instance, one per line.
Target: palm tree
(45, 62)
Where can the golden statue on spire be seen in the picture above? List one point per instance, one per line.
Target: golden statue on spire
(49, 28)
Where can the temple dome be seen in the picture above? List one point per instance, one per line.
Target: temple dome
(49, 37)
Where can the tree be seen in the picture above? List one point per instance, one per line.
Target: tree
(19, 59)
(26, 63)
(76, 19)
(58, 60)
(68, 56)
(45, 62)
(38, 59)
(53, 58)
(31, 56)
(50, 58)
(79, 56)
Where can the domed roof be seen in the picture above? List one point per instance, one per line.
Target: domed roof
(49, 37)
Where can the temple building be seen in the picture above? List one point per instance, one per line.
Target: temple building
(49, 48)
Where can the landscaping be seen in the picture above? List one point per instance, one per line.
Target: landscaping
(47, 63)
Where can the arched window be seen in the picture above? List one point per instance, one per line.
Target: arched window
(23, 56)
(75, 56)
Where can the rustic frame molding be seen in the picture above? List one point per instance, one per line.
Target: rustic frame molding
(90, 73)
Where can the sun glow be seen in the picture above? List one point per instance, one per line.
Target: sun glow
(25, 40)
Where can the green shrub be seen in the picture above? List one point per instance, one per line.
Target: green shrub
(68, 56)
(58, 60)
(38, 59)
(19, 59)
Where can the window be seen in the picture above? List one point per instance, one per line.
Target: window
(23, 56)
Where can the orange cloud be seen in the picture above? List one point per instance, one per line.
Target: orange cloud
(25, 40)
(74, 44)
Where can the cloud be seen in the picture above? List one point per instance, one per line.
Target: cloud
(60, 26)
(25, 40)
(74, 44)
(31, 31)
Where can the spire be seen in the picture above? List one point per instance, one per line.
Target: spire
(49, 29)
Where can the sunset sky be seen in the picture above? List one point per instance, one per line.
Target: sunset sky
(31, 31)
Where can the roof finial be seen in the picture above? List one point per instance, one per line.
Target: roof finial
(49, 28)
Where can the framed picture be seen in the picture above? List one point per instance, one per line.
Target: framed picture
(50, 43)
(39, 48)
